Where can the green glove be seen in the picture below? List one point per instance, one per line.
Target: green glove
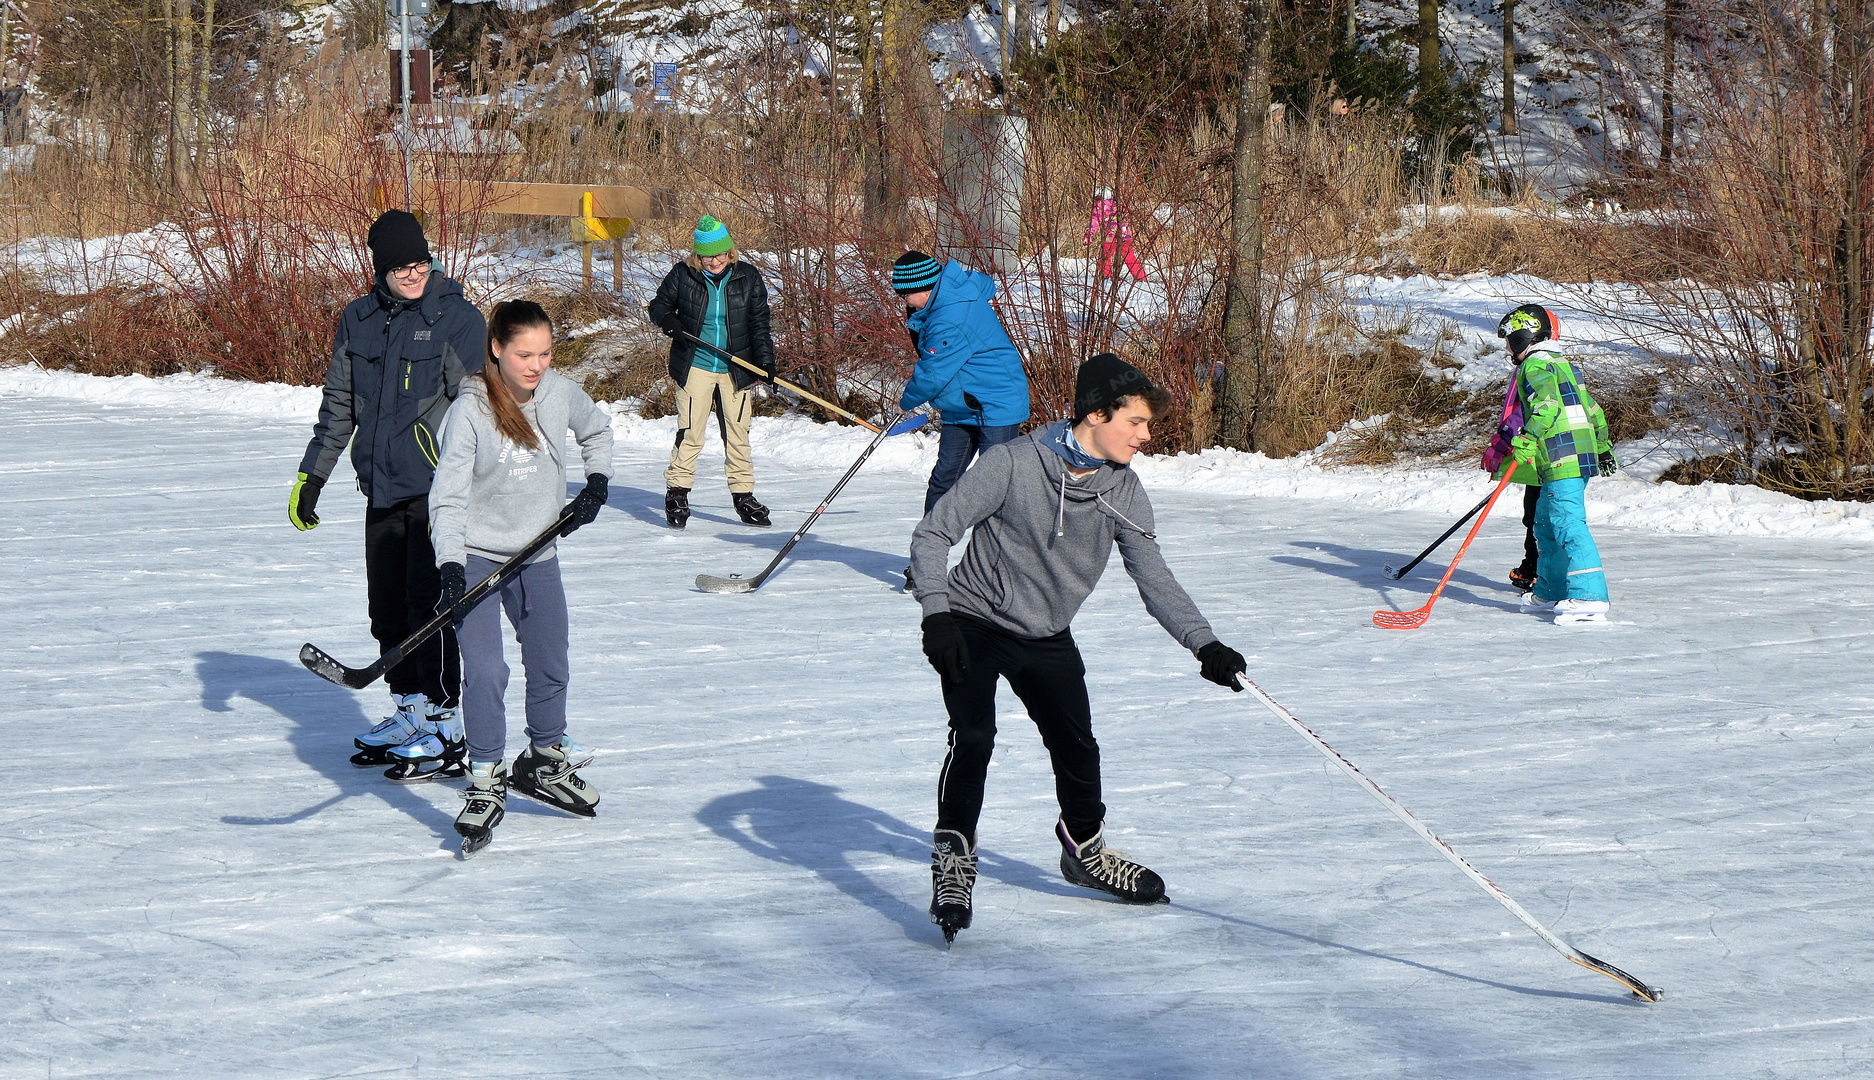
(301, 500)
(1524, 447)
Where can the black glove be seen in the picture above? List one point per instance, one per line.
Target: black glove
(1222, 664)
(586, 504)
(454, 584)
(767, 375)
(944, 645)
(1606, 464)
(670, 324)
(301, 500)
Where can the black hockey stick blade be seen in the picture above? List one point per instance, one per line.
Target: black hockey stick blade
(1407, 568)
(320, 663)
(1652, 994)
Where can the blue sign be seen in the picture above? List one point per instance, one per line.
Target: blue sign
(663, 82)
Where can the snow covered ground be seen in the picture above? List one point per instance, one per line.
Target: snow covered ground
(196, 882)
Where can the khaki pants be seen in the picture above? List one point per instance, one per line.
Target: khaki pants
(707, 390)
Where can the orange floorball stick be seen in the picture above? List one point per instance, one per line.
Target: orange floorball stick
(1412, 620)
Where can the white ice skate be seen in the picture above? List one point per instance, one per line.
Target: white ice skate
(1533, 606)
(1570, 612)
(399, 727)
(435, 752)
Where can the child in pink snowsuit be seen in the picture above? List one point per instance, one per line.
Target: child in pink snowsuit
(1110, 227)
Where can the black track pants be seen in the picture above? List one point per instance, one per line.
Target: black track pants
(404, 585)
(1049, 678)
(1532, 494)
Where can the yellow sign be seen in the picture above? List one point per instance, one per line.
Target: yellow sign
(588, 229)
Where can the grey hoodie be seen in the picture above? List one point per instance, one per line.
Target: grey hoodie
(491, 496)
(1042, 539)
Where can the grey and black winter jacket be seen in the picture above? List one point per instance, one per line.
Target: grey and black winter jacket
(1042, 539)
(396, 366)
(746, 298)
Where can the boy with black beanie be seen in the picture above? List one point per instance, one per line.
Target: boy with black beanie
(398, 360)
(1046, 511)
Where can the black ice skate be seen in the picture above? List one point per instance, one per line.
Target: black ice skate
(952, 877)
(908, 583)
(1523, 579)
(484, 804)
(677, 506)
(750, 511)
(549, 773)
(1097, 866)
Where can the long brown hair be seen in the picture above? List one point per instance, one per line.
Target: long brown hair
(510, 318)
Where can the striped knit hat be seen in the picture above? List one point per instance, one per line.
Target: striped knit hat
(914, 272)
(711, 237)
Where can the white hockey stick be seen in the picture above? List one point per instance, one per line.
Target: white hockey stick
(1640, 989)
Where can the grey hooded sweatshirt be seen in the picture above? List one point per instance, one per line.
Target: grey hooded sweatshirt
(491, 496)
(1042, 539)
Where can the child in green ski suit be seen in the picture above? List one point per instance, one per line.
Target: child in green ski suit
(1555, 423)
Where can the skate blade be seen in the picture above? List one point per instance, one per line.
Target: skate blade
(473, 844)
(1596, 618)
(405, 773)
(371, 759)
(586, 812)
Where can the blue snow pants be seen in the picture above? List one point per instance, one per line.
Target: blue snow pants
(535, 603)
(1568, 566)
(957, 446)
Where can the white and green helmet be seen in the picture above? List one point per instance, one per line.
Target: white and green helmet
(1527, 325)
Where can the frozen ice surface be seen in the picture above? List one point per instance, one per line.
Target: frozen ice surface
(196, 882)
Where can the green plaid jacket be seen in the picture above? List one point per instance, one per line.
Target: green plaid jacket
(1569, 427)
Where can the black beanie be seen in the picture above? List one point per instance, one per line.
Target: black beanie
(396, 239)
(1104, 379)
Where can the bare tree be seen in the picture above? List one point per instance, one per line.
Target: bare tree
(1509, 66)
(1429, 72)
(1245, 379)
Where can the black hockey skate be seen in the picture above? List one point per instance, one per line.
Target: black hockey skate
(952, 878)
(677, 506)
(1524, 580)
(1096, 866)
(550, 775)
(484, 804)
(749, 510)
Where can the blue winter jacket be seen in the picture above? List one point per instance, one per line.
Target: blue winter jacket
(396, 367)
(966, 364)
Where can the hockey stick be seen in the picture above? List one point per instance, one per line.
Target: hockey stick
(1640, 989)
(331, 670)
(780, 382)
(1403, 570)
(1412, 620)
(736, 583)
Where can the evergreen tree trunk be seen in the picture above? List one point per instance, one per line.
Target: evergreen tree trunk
(1246, 383)
(1429, 73)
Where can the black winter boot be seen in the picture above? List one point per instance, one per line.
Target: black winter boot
(752, 512)
(677, 506)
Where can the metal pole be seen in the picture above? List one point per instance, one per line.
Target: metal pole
(409, 198)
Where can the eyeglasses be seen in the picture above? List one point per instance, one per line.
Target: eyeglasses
(415, 269)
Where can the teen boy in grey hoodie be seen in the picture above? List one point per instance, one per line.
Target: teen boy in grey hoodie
(1046, 511)
(500, 483)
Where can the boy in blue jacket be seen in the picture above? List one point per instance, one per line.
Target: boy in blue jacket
(966, 364)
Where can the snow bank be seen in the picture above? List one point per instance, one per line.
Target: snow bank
(796, 442)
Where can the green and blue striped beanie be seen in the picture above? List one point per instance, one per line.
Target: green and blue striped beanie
(711, 237)
(914, 272)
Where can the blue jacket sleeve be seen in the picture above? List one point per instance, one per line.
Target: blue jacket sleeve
(943, 348)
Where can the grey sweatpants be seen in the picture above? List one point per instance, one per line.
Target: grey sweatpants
(535, 603)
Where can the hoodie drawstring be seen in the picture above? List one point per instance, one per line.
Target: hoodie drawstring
(1060, 516)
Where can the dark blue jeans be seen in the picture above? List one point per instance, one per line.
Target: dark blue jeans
(957, 446)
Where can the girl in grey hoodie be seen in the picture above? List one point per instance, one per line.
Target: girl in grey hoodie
(501, 482)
